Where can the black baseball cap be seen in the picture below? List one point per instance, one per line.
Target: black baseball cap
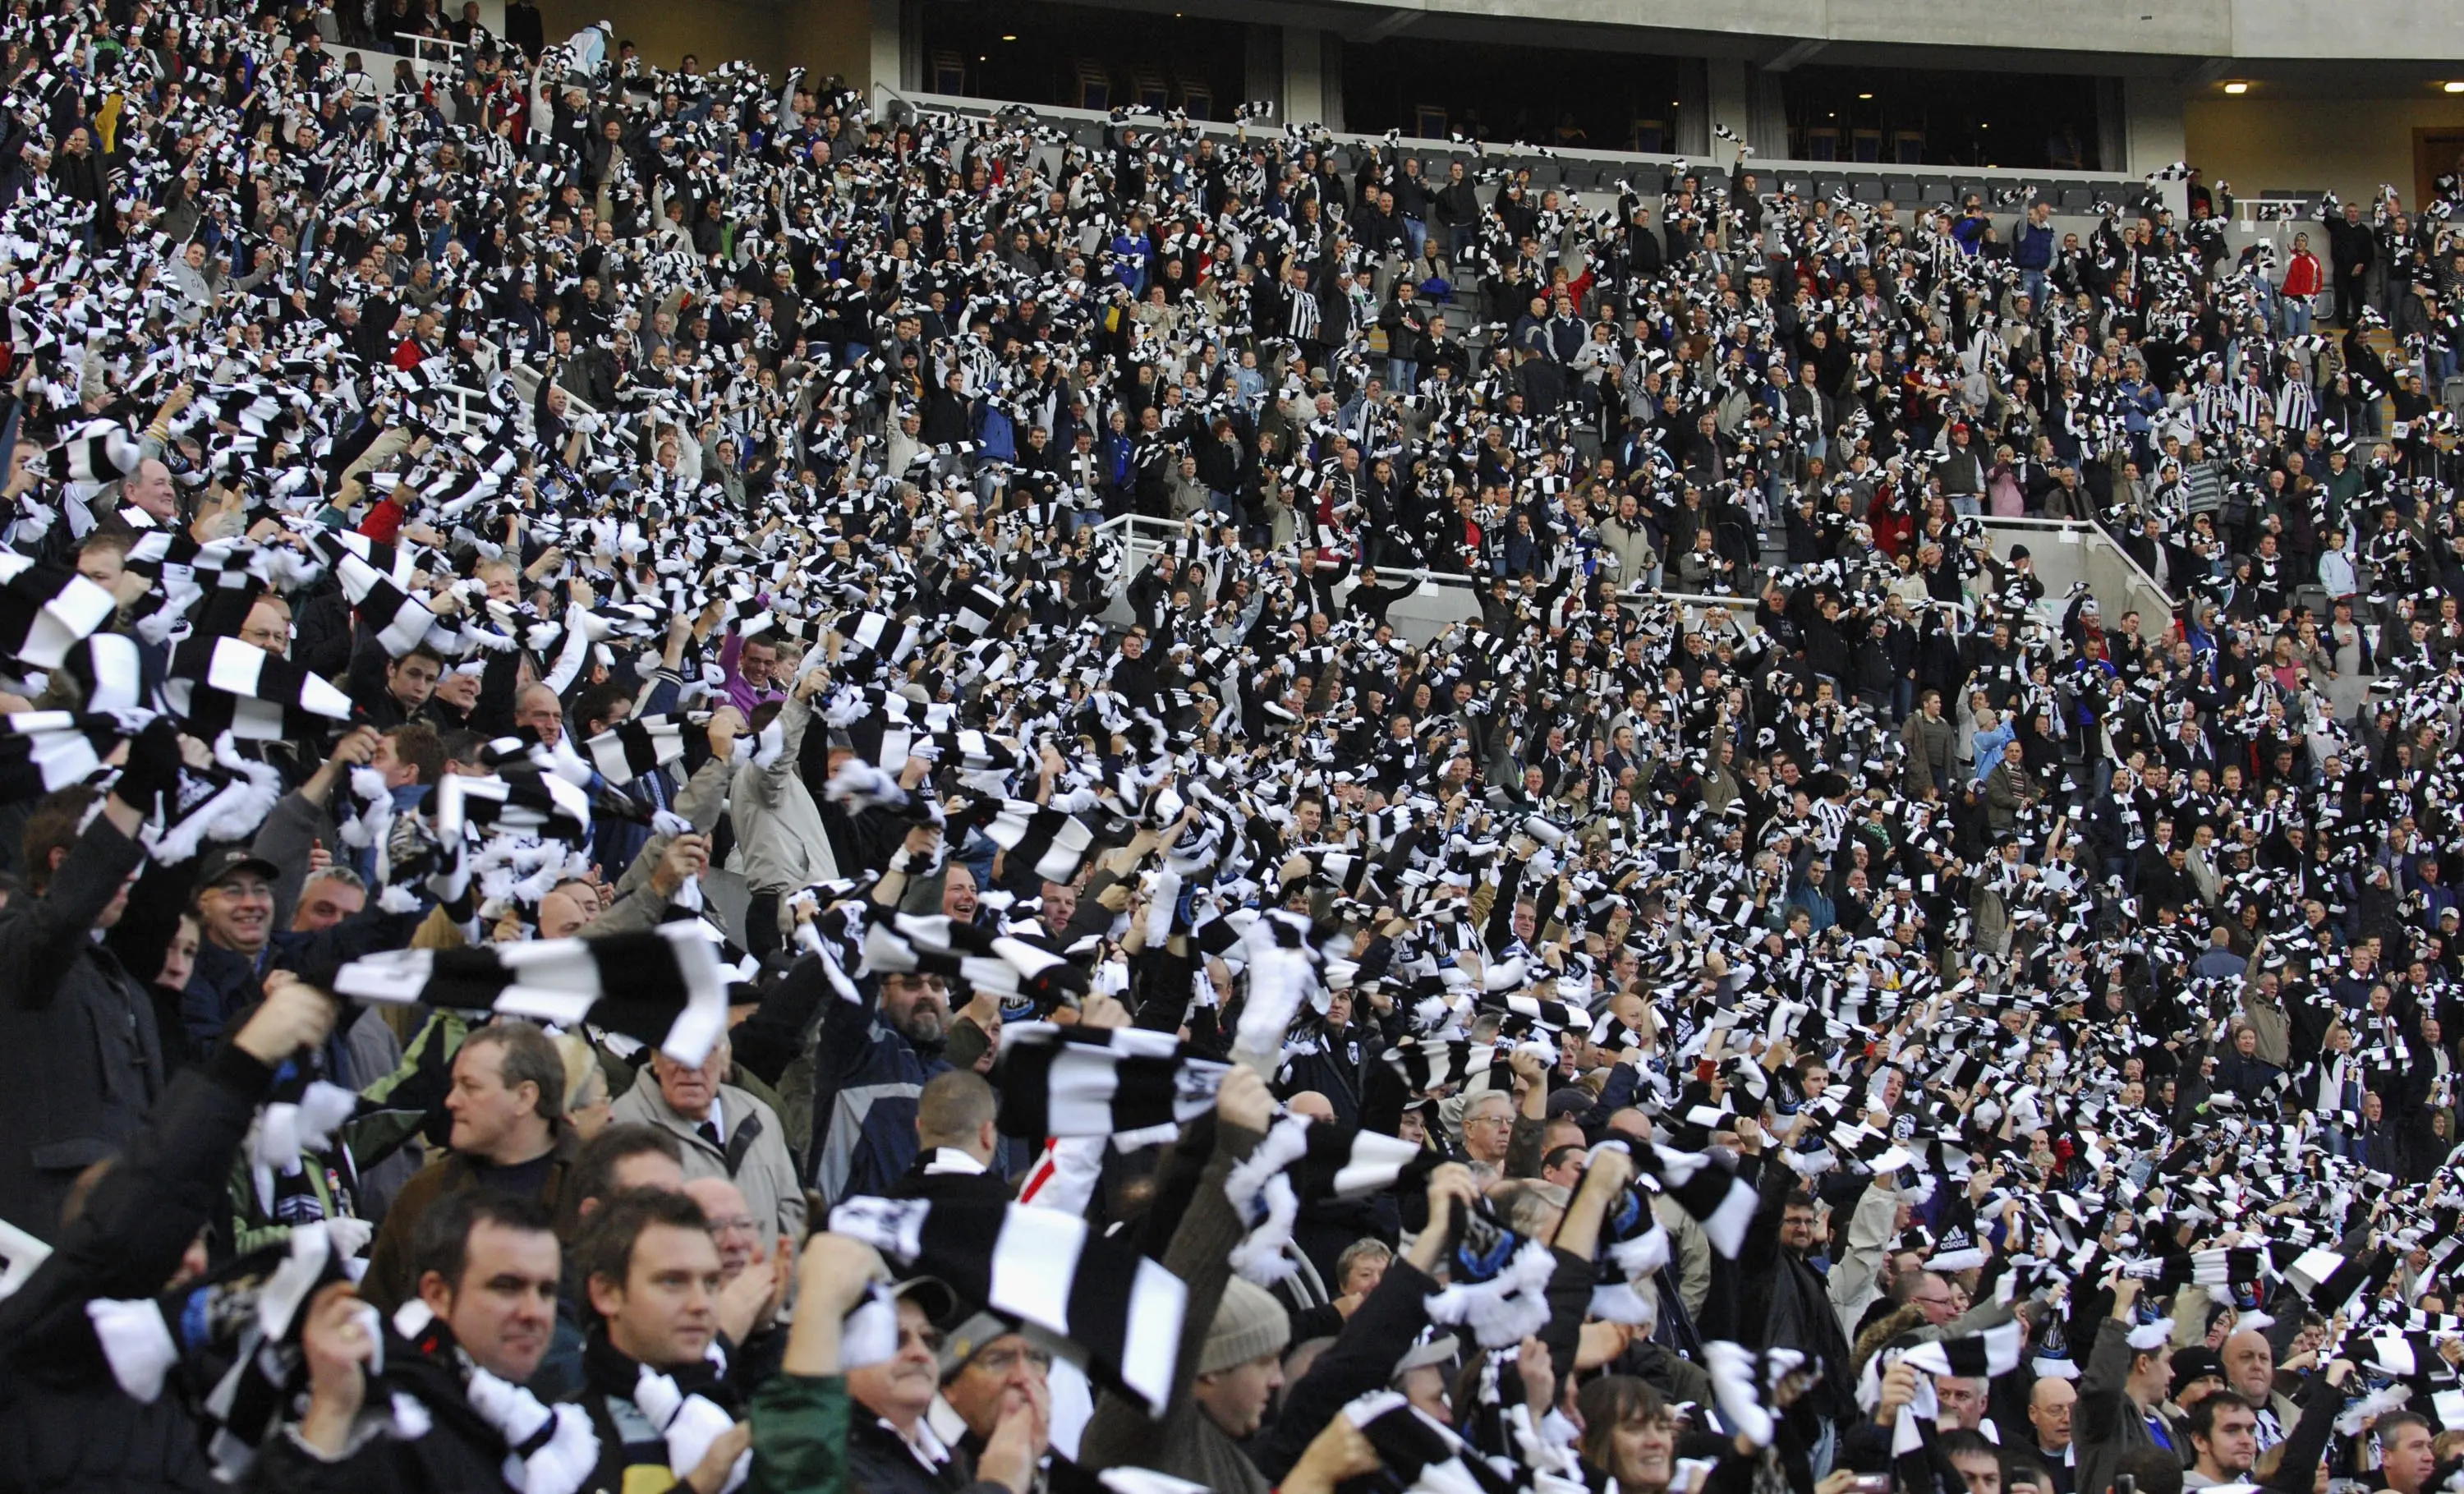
(220, 866)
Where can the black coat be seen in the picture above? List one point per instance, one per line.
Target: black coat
(64, 1424)
(461, 1454)
(78, 1030)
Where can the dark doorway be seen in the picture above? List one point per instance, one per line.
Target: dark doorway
(1545, 96)
(1037, 53)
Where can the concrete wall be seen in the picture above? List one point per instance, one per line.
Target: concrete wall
(858, 39)
(2345, 145)
(2372, 30)
(715, 30)
(2252, 29)
(2151, 126)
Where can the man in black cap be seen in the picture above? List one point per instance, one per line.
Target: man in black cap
(235, 913)
(234, 909)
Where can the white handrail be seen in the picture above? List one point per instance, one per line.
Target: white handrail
(422, 44)
(1146, 536)
(1714, 160)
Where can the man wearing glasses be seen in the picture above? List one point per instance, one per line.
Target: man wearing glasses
(892, 1446)
(990, 1370)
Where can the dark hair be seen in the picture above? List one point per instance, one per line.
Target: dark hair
(1960, 1439)
(416, 743)
(593, 1175)
(464, 746)
(58, 823)
(593, 707)
(441, 1242)
(2201, 1419)
(417, 650)
(2154, 1470)
(605, 1247)
(1611, 1402)
(528, 1058)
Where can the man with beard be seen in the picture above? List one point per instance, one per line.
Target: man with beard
(870, 1068)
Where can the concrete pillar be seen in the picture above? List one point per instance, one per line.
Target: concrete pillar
(831, 37)
(2152, 133)
(1690, 126)
(1305, 84)
(895, 55)
(1768, 111)
(2112, 126)
(1330, 71)
(1728, 93)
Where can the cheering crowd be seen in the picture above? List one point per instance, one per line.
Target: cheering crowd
(618, 878)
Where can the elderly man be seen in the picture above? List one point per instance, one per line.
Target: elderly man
(725, 1131)
(1487, 1129)
(990, 1371)
(2049, 1413)
(890, 1446)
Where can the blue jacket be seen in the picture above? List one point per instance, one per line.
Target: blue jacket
(2032, 246)
(224, 983)
(866, 1077)
(1989, 748)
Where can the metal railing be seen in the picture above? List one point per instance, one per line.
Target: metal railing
(2105, 565)
(2115, 186)
(469, 409)
(1444, 596)
(433, 51)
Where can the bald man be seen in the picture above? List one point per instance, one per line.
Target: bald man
(1316, 1107)
(2250, 1369)
(568, 910)
(956, 1142)
(2049, 1414)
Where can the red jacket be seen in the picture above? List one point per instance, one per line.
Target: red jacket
(2302, 274)
(384, 521)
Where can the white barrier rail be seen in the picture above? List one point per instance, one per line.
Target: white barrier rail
(2064, 550)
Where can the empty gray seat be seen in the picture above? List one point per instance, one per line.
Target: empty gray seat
(1871, 189)
(2077, 199)
(1903, 191)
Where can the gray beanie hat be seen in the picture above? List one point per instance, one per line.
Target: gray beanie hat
(1249, 1321)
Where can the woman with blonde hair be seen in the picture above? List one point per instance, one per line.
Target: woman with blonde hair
(587, 1100)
